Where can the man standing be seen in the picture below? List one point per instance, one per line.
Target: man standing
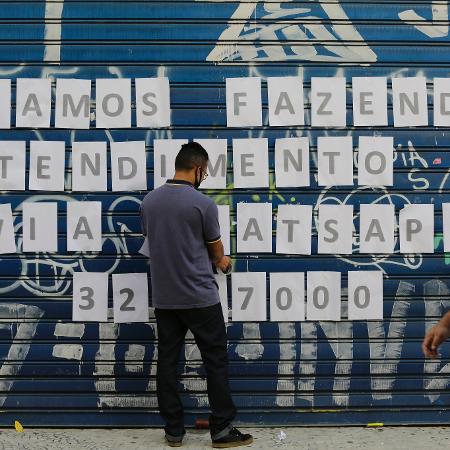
(183, 234)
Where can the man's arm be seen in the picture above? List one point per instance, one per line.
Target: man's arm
(211, 233)
(144, 250)
(436, 336)
(217, 256)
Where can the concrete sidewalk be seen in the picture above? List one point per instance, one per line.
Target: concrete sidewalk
(392, 438)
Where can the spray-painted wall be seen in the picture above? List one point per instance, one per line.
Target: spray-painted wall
(298, 373)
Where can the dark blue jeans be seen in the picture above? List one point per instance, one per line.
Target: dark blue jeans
(208, 327)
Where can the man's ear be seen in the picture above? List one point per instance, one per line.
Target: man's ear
(197, 174)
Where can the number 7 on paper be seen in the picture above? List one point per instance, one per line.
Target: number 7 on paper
(249, 296)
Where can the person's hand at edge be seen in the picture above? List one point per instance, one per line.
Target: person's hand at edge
(224, 264)
(436, 336)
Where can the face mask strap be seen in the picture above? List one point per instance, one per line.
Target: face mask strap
(197, 183)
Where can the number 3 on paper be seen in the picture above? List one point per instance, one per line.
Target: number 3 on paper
(90, 297)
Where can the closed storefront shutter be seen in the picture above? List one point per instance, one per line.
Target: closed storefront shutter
(57, 372)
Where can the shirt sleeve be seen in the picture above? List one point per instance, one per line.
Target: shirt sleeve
(143, 225)
(211, 227)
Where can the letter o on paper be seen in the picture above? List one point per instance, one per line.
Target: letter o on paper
(325, 296)
(119, 105)
(288, 297)
(363, 302)
(382, 163)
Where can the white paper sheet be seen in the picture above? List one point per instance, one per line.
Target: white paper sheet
(217, 164)
(441, 102)
(90, 297)
(244, 107)
(223, 294)
(40, 226)
(292, 162)
(335, 161)
(7, 241)
(84, 226)
(446, 225)
(5, 101)
(365, 295)
(12, 165)
(323, 296)
(285, 95)
(164, 152)
(376, 230)
(287, 297)
(47, 162)
(369, 101)
(224, 223)
(33, 102)
(335, 229)
(89, 166)
(144, 250)
(128, 166)
(73, 99)
(294, 229)
(409, 98)
(249, 296)
(254, 227)
(251, 163)
(113, 103)
(328, 102)
(130, 297)
(152, 102)
(376, 161)
(416, 224)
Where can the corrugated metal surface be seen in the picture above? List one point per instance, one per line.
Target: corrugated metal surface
(290, 373)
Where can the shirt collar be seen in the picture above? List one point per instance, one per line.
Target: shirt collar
(177, 182)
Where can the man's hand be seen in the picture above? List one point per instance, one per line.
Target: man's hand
(434, 338)
(224, 264)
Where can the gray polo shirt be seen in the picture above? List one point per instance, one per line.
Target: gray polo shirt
(179, 221)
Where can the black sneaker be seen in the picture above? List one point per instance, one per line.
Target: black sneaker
(174, 441)
(234, 438)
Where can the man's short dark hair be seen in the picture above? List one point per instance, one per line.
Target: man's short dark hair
(190, 156)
